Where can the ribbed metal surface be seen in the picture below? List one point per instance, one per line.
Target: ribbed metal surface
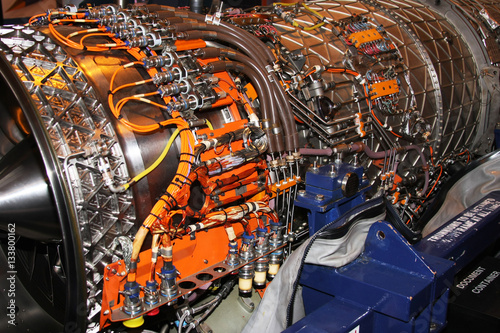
(438, 63)
(74, 120)
(455, 68)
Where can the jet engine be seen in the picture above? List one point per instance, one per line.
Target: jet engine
(152, 155)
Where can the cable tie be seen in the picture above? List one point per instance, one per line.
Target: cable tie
(180, 174)
(157, 217)
(166, 203)
(175, 184)
(188, 162)
(171, 196)
(186, 179)
(233, 137)
(243, 209)
(184, 129)
(220, 164)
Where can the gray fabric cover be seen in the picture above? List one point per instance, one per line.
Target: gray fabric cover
(270, 315)
(466, 192)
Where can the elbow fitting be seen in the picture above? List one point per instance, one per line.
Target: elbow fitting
(107, 176)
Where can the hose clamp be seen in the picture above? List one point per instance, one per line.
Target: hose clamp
(212, 19)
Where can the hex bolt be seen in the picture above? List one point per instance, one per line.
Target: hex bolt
(319, 197)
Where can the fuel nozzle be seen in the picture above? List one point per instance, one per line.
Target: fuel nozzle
(247, 272)
(276, 257)
(262, 264)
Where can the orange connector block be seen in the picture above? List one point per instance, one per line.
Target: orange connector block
(384, 88)
(366, 36)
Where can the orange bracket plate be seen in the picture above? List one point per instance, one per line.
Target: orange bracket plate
(185, 285)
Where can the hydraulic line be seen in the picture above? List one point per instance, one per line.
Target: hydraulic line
(287, 122)
(224, 139)
(361, 147)
(273, 130)
(236, 36)
(257, 48)
(271, 89)
(262, 86)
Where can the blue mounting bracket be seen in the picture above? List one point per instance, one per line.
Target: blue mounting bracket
(331, 190)
(394, 286)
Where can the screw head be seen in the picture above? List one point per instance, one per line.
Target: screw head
(319, 197)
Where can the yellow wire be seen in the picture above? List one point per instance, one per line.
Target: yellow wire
(315, 26)
(295, 24)
(156, 163)
(284, 4)
(312, 10)
(209, 124)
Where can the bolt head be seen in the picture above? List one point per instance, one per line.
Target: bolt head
(319, 197)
